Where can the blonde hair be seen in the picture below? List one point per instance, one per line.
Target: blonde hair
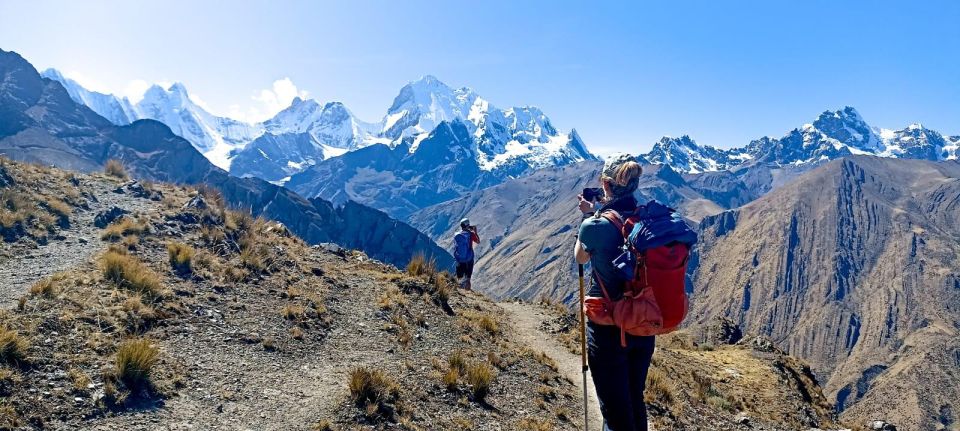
(626, 172)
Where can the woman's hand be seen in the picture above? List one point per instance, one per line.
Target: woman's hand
(586, 207)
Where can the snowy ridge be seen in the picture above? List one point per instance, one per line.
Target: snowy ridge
(503, 139)
(832, 135)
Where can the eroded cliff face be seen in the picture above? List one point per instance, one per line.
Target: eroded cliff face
(851, 267)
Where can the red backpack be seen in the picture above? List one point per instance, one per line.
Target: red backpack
(654, 297)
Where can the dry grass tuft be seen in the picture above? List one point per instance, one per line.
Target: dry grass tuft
(115, 168)
(129, 273)
(534, 424)
(121, 228)
(13, 347)
(374, 392)
(322, 425)
(391, 298)
(658, 388)
(181, 257)
(420, 265)
(135, 360)
(46, 287)
(481, 322)
(479, 377)
(9, 418)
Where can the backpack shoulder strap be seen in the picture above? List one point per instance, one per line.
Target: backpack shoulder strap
(602, 287)
(614, 218)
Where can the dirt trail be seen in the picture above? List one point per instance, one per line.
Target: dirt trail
(527, 319)
(23, 264)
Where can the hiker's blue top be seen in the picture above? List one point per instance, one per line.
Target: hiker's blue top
(463, 246)
(604, 242)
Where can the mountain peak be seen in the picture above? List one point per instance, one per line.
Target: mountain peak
(178, 88)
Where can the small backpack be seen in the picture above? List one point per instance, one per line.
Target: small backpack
(656, 250)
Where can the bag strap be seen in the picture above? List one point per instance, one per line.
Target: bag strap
(596, 275)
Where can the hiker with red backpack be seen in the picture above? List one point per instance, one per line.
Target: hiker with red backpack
(638, 256)
(463, 252)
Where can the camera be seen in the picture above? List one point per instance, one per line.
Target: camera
(592, 194)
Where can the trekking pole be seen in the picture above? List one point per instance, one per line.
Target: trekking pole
(583, 349)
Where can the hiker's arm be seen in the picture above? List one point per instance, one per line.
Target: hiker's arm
(581, 253)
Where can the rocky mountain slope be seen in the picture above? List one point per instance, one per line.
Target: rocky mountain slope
(527, 226)
(853, 268)
(168, 309)
(40, 123)
(180, 312)
(832, 135)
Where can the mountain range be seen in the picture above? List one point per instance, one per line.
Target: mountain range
(41, 123)
(833, 134)
(503, 141)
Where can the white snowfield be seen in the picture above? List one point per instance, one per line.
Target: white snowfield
(502, 136)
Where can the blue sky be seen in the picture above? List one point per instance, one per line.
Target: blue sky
(622, 74)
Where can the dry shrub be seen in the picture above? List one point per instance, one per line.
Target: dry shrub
(121, 228)
(322, 425)
(293, 312)
(457, 361)
(421, 265)
(135, 360)
(58, 208)
(374, 391)
(139, 315)
(9, 418)
(129, 273)
(13, 347)
(181, 256)
(534, 424)
(391, 298)
(544, 359)
(479, 377)
(115, 168)
(46, 287)
(658, 388)
(80, 380)
(481, 322)
(451, 379)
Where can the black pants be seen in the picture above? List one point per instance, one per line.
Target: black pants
(619, 375)
(465, 269)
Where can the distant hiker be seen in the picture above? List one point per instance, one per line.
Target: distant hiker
(619, 373)
(463, 252)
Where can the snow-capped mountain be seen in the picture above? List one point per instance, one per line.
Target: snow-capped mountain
(832, 135)
(215, 137)
(300, 136)
(503, 137)
(443, 143)
(685, 155)
(117, 111)
(509, 141)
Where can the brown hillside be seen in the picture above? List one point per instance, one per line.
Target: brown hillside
(853, 268)
(179, 313)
